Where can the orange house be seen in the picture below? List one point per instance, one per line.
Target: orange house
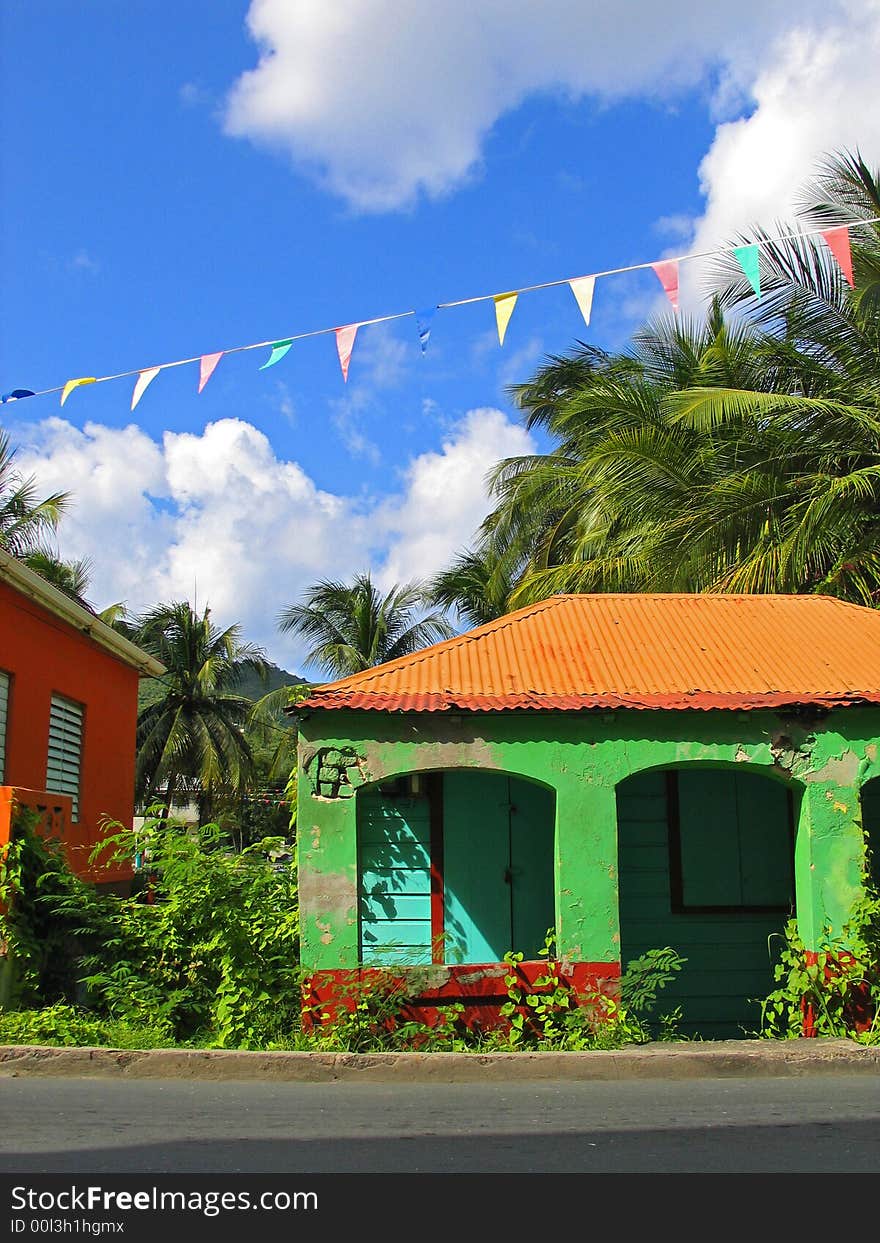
(68, 715)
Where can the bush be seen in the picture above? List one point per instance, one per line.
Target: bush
(207, 951)
(62, 1024)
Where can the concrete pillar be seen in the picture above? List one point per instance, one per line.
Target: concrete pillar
(828, 855)
(588, 926)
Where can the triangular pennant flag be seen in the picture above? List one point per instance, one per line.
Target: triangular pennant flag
(667, 274)
(207, 363)
(423, 323)
(747, 258)
(72, 384)
(582, 288)
(144, 378)
(504, 304)
(838, 241)
(344, 345)
(279, 349)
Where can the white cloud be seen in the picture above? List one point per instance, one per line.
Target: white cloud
(382, 108)
(445, 498)
(219, 516)
(815, 92)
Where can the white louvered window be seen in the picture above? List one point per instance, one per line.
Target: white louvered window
(65, 749)
(4, 715)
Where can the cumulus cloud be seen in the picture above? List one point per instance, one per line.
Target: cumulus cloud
(815, 93)
(444, 497)
(218, 517)
(382, 110)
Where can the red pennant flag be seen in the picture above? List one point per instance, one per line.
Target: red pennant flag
(344, 345)
(667, 274)
(207, 363)
(838, 243)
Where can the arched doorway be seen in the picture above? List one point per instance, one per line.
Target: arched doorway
(454, 867)
(706, 865)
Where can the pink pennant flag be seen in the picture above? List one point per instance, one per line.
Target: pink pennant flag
(144, 378)
(344, 345)
(838, 242)
(667, 274)
(207, 363)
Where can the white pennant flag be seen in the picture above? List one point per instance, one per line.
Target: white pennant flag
(582, 288)
(144, 378)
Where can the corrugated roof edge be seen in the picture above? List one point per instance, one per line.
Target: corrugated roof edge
(704, 700)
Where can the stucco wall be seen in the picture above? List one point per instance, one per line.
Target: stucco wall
(583, 757)
(46, 656)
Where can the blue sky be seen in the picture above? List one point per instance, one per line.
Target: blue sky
(176, 180)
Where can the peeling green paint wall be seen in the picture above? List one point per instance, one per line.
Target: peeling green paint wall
(583, 757)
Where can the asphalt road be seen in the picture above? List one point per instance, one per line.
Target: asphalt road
(818, 1123)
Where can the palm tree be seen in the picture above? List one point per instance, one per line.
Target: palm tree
(25, 522)
(740, 452)
(192, 732)
(477, 585)
(352, 626)
(73, 578)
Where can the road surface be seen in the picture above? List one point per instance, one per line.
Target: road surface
(818, 1123)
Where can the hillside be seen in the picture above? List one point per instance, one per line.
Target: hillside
(250, 686)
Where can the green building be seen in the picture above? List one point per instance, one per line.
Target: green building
(631, 771)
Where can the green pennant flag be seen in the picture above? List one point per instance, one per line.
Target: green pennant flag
(747, 258)
(279, 349)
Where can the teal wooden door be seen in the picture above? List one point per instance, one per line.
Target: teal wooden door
(394, 867)
(498, 834)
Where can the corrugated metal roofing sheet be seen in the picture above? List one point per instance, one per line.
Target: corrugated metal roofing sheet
(572, 652)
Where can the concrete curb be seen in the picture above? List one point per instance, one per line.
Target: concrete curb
(700, 1060)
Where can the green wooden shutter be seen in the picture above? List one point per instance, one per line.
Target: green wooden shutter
(65, 749)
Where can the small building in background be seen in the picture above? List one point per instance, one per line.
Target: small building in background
(621, 772)
(68, 716)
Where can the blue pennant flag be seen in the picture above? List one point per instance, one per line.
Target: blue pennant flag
(423, 322)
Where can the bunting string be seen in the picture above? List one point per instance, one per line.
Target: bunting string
(836, 238)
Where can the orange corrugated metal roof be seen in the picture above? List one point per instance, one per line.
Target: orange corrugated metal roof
(571, 652)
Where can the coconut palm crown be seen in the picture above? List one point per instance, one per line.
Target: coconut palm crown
(354, 626)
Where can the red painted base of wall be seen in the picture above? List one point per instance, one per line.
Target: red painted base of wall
(859, 1011)
(480, 988)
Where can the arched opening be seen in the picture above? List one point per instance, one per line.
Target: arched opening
(870, 800)
(706, 865)
(454, 867)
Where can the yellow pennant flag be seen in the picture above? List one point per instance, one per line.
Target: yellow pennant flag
(504, 304)
(72, 384)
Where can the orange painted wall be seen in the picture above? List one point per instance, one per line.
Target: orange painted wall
(44, 656)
